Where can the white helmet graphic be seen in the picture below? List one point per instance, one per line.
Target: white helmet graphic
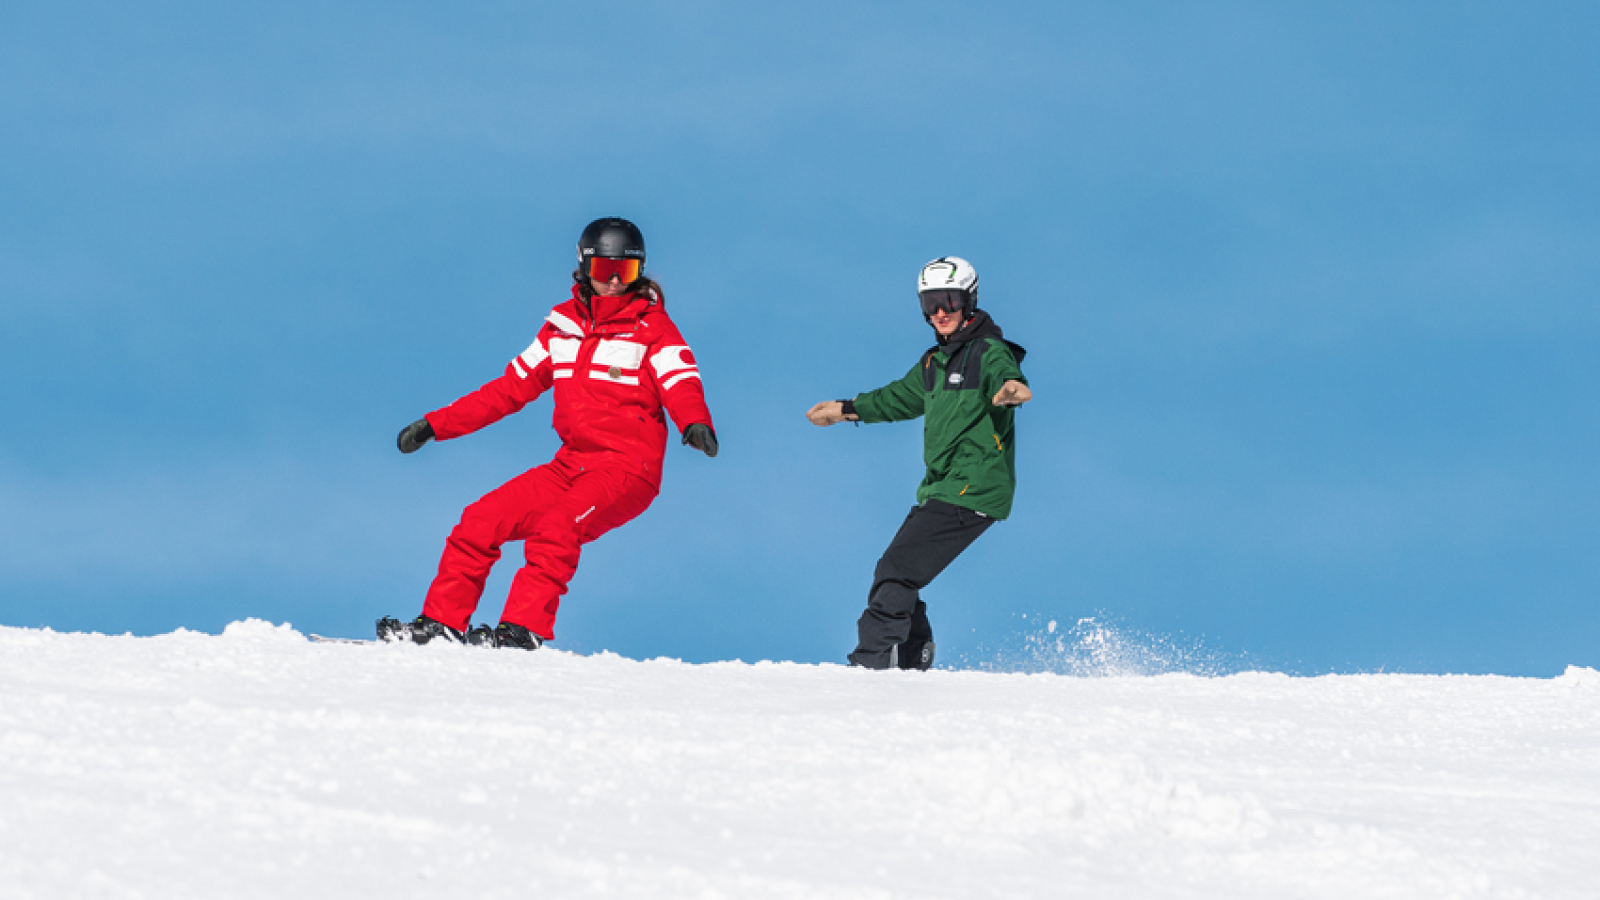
(948, 273)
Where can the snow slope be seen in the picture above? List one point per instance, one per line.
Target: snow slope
(259, 764)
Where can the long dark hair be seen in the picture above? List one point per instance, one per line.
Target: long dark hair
(641, 285)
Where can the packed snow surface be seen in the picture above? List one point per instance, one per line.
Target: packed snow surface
(260, 764)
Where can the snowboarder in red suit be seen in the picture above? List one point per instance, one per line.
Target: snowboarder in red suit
(616, 366)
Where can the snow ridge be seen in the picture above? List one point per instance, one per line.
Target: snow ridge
(259, 764)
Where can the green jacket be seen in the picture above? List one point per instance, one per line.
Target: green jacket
(968, 443)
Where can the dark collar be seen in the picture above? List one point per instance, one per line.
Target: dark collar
(978, 327)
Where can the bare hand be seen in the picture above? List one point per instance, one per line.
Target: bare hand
(1013, 393)
(828, 412)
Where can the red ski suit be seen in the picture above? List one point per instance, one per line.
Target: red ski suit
(612, 373)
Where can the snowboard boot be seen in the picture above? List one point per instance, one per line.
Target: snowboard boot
(910, 655)
(914, 655)
(417, 631)
(506, 634)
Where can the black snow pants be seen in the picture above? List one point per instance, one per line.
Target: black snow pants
(894, 629)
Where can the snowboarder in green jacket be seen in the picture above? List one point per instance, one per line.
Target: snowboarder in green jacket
(966, 389)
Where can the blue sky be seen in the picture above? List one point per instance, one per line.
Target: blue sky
(1309, 293)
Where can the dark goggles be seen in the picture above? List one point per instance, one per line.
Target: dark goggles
(947, 300)
(605, 268)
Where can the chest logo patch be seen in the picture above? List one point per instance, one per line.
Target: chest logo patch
(955, 377)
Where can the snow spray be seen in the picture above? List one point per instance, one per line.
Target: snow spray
(1095, 648)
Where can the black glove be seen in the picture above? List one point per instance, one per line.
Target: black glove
(702, 438)
(413, 436)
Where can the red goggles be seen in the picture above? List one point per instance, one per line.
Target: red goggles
(605, 268)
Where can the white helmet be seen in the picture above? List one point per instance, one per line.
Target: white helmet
(948, 273)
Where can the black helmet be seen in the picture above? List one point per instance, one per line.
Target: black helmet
(612, 238)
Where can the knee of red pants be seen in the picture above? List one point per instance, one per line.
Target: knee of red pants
(474, 544)
(487, 523)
